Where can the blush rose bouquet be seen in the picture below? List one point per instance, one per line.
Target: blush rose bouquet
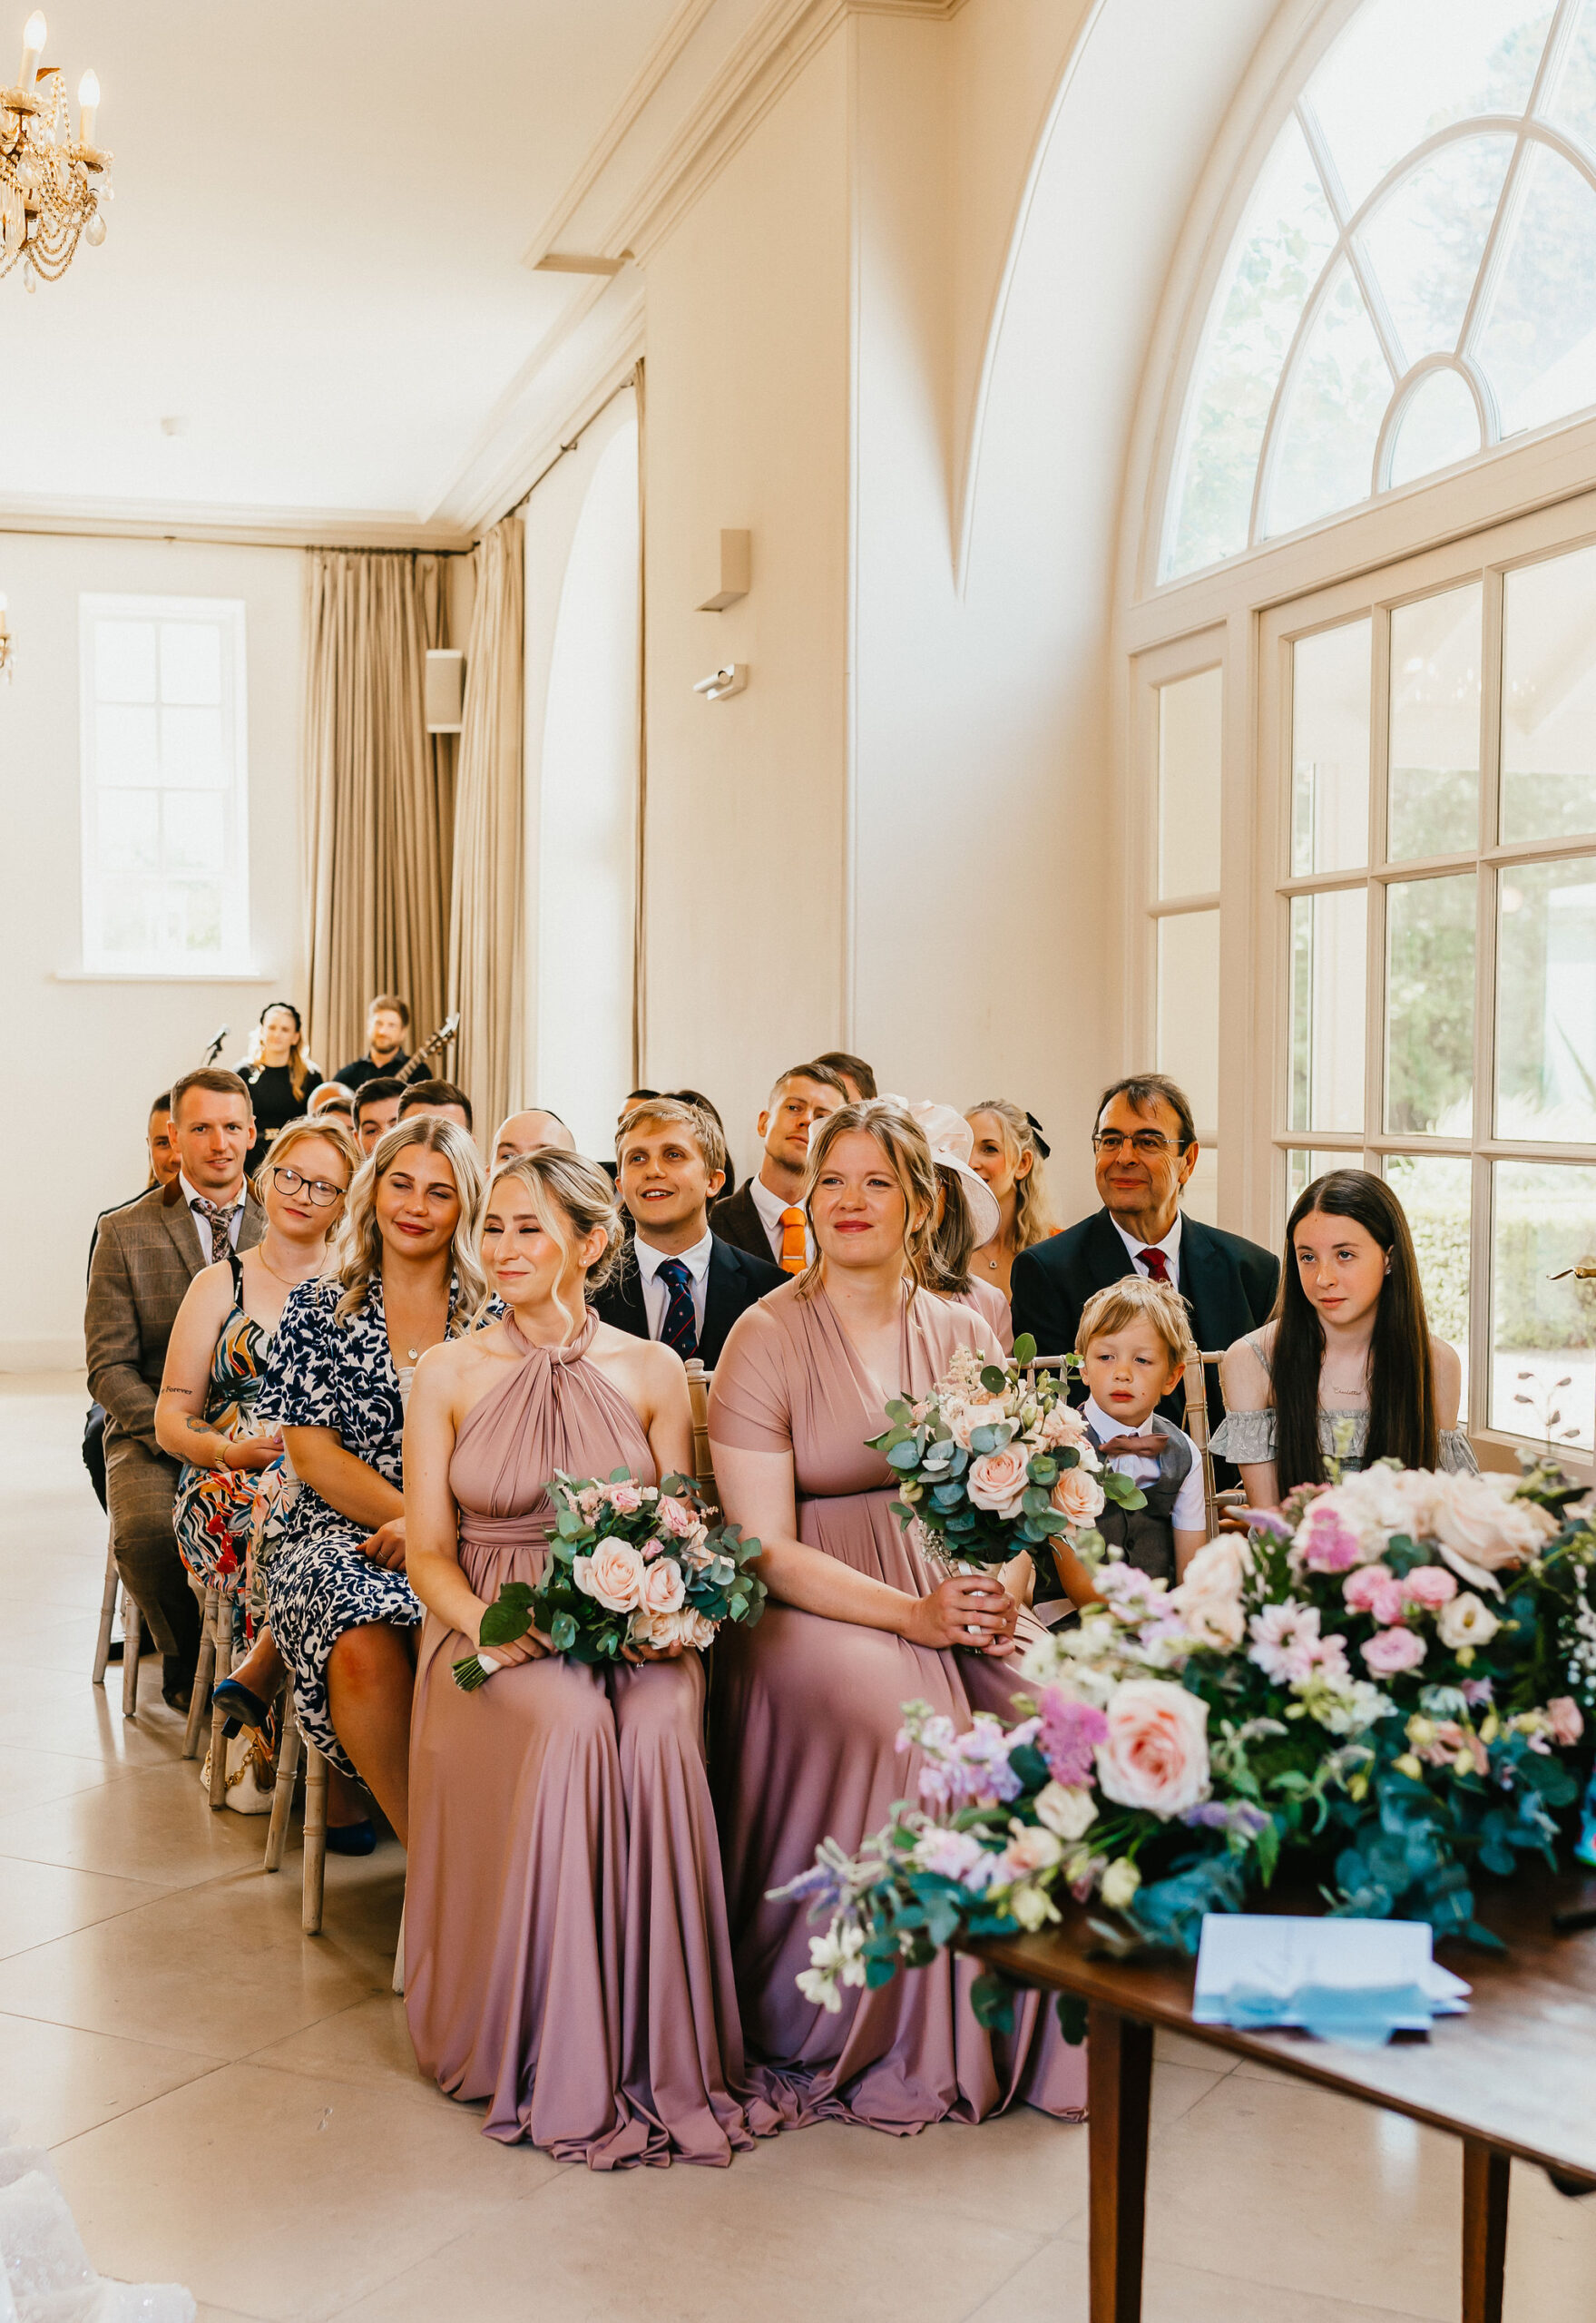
(995, 1460)
(1392, 1678)
(629, 1564)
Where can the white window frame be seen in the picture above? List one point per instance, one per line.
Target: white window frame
(235, 959)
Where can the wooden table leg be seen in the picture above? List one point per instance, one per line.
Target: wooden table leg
(1485, 2178)
(1119, 2067)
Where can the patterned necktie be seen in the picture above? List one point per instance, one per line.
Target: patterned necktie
(1157, 1265)
(220, 1221)
(795, 1256)
(680, 1328)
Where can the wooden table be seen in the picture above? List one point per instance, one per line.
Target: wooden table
(1516, 2076)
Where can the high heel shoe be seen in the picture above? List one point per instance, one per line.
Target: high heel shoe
(351, 1839)
(239, 1707)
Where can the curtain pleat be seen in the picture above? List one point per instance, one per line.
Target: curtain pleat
(486, 903)
(379, 803)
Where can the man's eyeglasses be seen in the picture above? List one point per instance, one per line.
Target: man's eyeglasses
(1148, 1142)
(289, 1181)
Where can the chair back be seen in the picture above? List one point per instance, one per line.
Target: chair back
(698, 1396)
(1197, 1426)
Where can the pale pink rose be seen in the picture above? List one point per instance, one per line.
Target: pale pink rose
(1209, 1600)
(1156, 1753)
(1032, 1848)
(698, 1631)
(1431, 1586)
(663, 1587)
(675, 1517)
(1062, 1425)
(963, 1419)
(684, 1627)
(1483, 1530)
(1078, 1495)
(1567, 1721)
(1392, 1651)
(1360, 1589)
(1066, 1810)
(951, 1855)
(614, 1574)
(624, 1499)
(997, 1480)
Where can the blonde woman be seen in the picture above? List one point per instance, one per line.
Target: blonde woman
(216, 1362)
(809, 1706)
(279, 1076)
(342, 1360)
(1009, 1150)
(566, 1954)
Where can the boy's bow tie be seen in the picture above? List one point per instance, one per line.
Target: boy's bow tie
(1136, 1447)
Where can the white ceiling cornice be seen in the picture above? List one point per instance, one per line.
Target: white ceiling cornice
(113, 519)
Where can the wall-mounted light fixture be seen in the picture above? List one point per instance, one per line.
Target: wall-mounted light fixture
(735, 574)
(6, 655)
(719, 684)
(444, 699)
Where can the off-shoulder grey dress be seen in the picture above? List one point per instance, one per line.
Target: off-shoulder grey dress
(1248, 1437)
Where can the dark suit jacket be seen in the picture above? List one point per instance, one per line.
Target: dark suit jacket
(735, 1220)
(735, 1280)
(1227, 1283)
(146, 1255)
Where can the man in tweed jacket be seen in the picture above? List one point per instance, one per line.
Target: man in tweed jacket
(146, 1256)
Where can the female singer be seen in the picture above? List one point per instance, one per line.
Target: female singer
(342, 1361)
(566, 1955)
(215, 1367)
(278, 1075)
(808, 1705)
(1009, 1152)
(966, 1218)
(1346, 1368)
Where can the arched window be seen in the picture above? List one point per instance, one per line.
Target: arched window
(1413, 278)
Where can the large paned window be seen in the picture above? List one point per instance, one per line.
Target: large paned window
(1435, 876)
(165, 840)
(1414, 278)
(1184, 905)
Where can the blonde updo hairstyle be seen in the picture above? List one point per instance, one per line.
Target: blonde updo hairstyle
(306, 1125)
(903, 1142)
(574, 1194)
(360, 1249)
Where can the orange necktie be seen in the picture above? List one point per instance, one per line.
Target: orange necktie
(794, 1256)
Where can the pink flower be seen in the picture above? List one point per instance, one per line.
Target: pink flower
(1431, 1586)
(590, 1500)
(1078, 1495)
(1327, 1542)
(1156, 1752)
(1284, 1641)
(954, 1855)
(684, 1627)
(675, 1516)
(963, 1419)
(1361, 1588)
(997, 1480)
(1071, 1732)
(1483, 1528)
(614, 1574)
(663, 1588)
(1392, 1650)
(624, 1499)
(1032, 1848)
(1567, 1722)
(1062, 1425)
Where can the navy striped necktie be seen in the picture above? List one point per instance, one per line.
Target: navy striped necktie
(680, 1329)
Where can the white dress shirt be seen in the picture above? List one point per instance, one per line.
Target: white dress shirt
(201, 1225)
(771, 1207)
(1188, 1512)
(656, 1295)
(1170, 1246)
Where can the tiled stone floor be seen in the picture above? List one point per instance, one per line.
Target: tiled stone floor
(236, 2108)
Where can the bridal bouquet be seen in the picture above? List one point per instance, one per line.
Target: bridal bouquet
(1396, 1676)
(629, 1564)
(995, 1459)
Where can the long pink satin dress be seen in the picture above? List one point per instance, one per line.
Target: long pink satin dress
(804, 1725)
(565, 1941)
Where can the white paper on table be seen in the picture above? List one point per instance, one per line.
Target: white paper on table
(1260, 1952)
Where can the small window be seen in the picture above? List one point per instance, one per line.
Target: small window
(165, 827)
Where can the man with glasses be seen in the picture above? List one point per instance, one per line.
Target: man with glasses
(145, 1257)
(1145, 1147)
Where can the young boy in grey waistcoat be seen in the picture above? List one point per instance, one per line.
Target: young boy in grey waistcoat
(1132, 1343)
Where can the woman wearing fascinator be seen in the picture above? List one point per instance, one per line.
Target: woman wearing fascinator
(1008, 1151)
(968, 1220)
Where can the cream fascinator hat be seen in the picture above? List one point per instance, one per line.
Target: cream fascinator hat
(952, 1142)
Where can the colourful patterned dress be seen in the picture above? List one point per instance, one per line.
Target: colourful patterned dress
(217, 1510)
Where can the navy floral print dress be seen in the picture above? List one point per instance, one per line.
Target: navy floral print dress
(319, 1583)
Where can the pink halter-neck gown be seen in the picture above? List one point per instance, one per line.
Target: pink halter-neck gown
(805, 1723)
(566, 1945)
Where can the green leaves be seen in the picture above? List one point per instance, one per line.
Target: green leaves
(1024, 1349)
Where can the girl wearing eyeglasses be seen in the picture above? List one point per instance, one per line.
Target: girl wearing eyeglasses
(215, 1365)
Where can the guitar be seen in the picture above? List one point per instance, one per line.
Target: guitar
(440, 1040)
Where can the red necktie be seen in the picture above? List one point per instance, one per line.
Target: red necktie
(1157, 1265)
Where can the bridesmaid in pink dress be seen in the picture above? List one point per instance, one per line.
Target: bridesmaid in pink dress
(565, 1947)
(808, 1706)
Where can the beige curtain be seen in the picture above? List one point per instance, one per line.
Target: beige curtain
(379, 795)
(487, 902)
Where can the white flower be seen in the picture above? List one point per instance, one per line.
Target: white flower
(1120, 1883)
(835, 1960)
(1482, 1529)
(1031, 1849)
(1209, 1598)
(1031, 1905)
(1467, 1621)
(1284, 1639)
(1343, 1704)
(1067, 1812)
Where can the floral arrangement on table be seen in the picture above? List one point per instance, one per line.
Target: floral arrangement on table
(628, 1566)
(995, 1460)
(1394, 1678)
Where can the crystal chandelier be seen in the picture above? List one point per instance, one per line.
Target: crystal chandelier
(51, 188)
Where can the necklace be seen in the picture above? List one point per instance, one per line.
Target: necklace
(289, 1281)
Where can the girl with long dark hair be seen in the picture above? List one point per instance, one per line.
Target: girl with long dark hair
(1345, 1369)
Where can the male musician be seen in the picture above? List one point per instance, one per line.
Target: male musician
(387, 1021)
(678, 1281)
(146, 1256)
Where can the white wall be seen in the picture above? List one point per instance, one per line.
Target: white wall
(84, 1058)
